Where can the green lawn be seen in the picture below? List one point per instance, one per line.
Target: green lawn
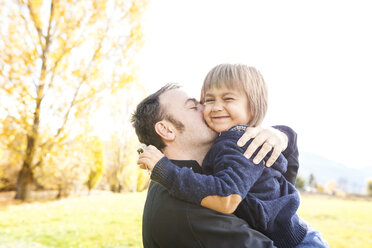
(114, 220)
(342, 222)
(106, 220)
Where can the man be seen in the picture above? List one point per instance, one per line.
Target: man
(174, 123)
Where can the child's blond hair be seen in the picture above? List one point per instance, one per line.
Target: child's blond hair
(242, 77)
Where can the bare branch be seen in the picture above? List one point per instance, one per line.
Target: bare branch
(83, 80)
(65, 51)
(90, 97)
(40, 90)
(62, 127)
(49, 24)
(47, 38)
(33, 17)
(34, 83)
(25, 22)
(56, 63)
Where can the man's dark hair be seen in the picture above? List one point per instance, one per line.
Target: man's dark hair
(148, 113)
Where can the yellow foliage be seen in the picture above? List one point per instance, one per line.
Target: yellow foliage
(95, 152)
(122, 172)
(129, 159)
(58, 57)
(331, 187)
(2, 172)
(70, 164)
(143, 180)
(319, 188)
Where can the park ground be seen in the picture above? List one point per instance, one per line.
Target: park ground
(106, 220)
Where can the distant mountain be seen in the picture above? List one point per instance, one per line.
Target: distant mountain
(348, 179)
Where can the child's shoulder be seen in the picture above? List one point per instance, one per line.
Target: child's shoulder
(228, 139)
(238, 128)
(233, 133)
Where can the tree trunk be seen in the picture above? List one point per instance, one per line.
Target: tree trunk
(24, 182)
(62, 192)
(59, 195)
(25, 178)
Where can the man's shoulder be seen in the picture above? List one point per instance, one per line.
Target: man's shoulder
(175, 223)
(158, 199)
(165, 221)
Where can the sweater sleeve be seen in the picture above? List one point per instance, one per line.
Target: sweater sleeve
(234, 175)
(290, 153)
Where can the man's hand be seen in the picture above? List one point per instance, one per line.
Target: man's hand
(269, 138)
(149, 157)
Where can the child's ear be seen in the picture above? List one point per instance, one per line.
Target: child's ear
(165, 130)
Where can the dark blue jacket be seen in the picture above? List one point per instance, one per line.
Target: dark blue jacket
(261, 196)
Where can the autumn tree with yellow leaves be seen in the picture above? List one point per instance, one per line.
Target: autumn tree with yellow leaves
(58, 58)
(71, 165)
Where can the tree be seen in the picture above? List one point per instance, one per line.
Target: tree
(65, 167)
(369, 187)
(96, 163)
(122, 172)
(319, 188)
(343, 183)
(11, 146)
(312, 181)
(57, 60)
(331, 187)
(300, 183)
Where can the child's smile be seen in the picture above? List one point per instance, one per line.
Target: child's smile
(225, 108)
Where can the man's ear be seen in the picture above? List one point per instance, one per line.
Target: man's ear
(165, 130)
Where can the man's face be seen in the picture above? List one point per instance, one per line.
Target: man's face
(189, 111)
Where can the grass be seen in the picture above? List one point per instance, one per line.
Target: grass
(342, 222)
(105, 220)
(114, 220)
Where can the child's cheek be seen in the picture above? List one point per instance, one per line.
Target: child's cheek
(206, 113)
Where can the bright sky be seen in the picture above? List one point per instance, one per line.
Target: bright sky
(316, 57)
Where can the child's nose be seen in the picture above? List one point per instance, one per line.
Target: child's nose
(217, 106)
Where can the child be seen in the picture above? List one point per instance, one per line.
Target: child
(235, 96)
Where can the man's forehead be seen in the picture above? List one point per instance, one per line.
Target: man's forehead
(175, 96)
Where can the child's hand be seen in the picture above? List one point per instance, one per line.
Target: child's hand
(150, 156)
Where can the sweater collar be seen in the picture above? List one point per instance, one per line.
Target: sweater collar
(192, 164)
(240, 128)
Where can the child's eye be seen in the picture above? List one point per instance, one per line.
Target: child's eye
(228, 99)
(209, 100)
(194, 108)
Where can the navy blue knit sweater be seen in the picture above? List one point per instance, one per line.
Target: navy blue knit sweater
(259, 195)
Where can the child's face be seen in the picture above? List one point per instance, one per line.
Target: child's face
(225, 108)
